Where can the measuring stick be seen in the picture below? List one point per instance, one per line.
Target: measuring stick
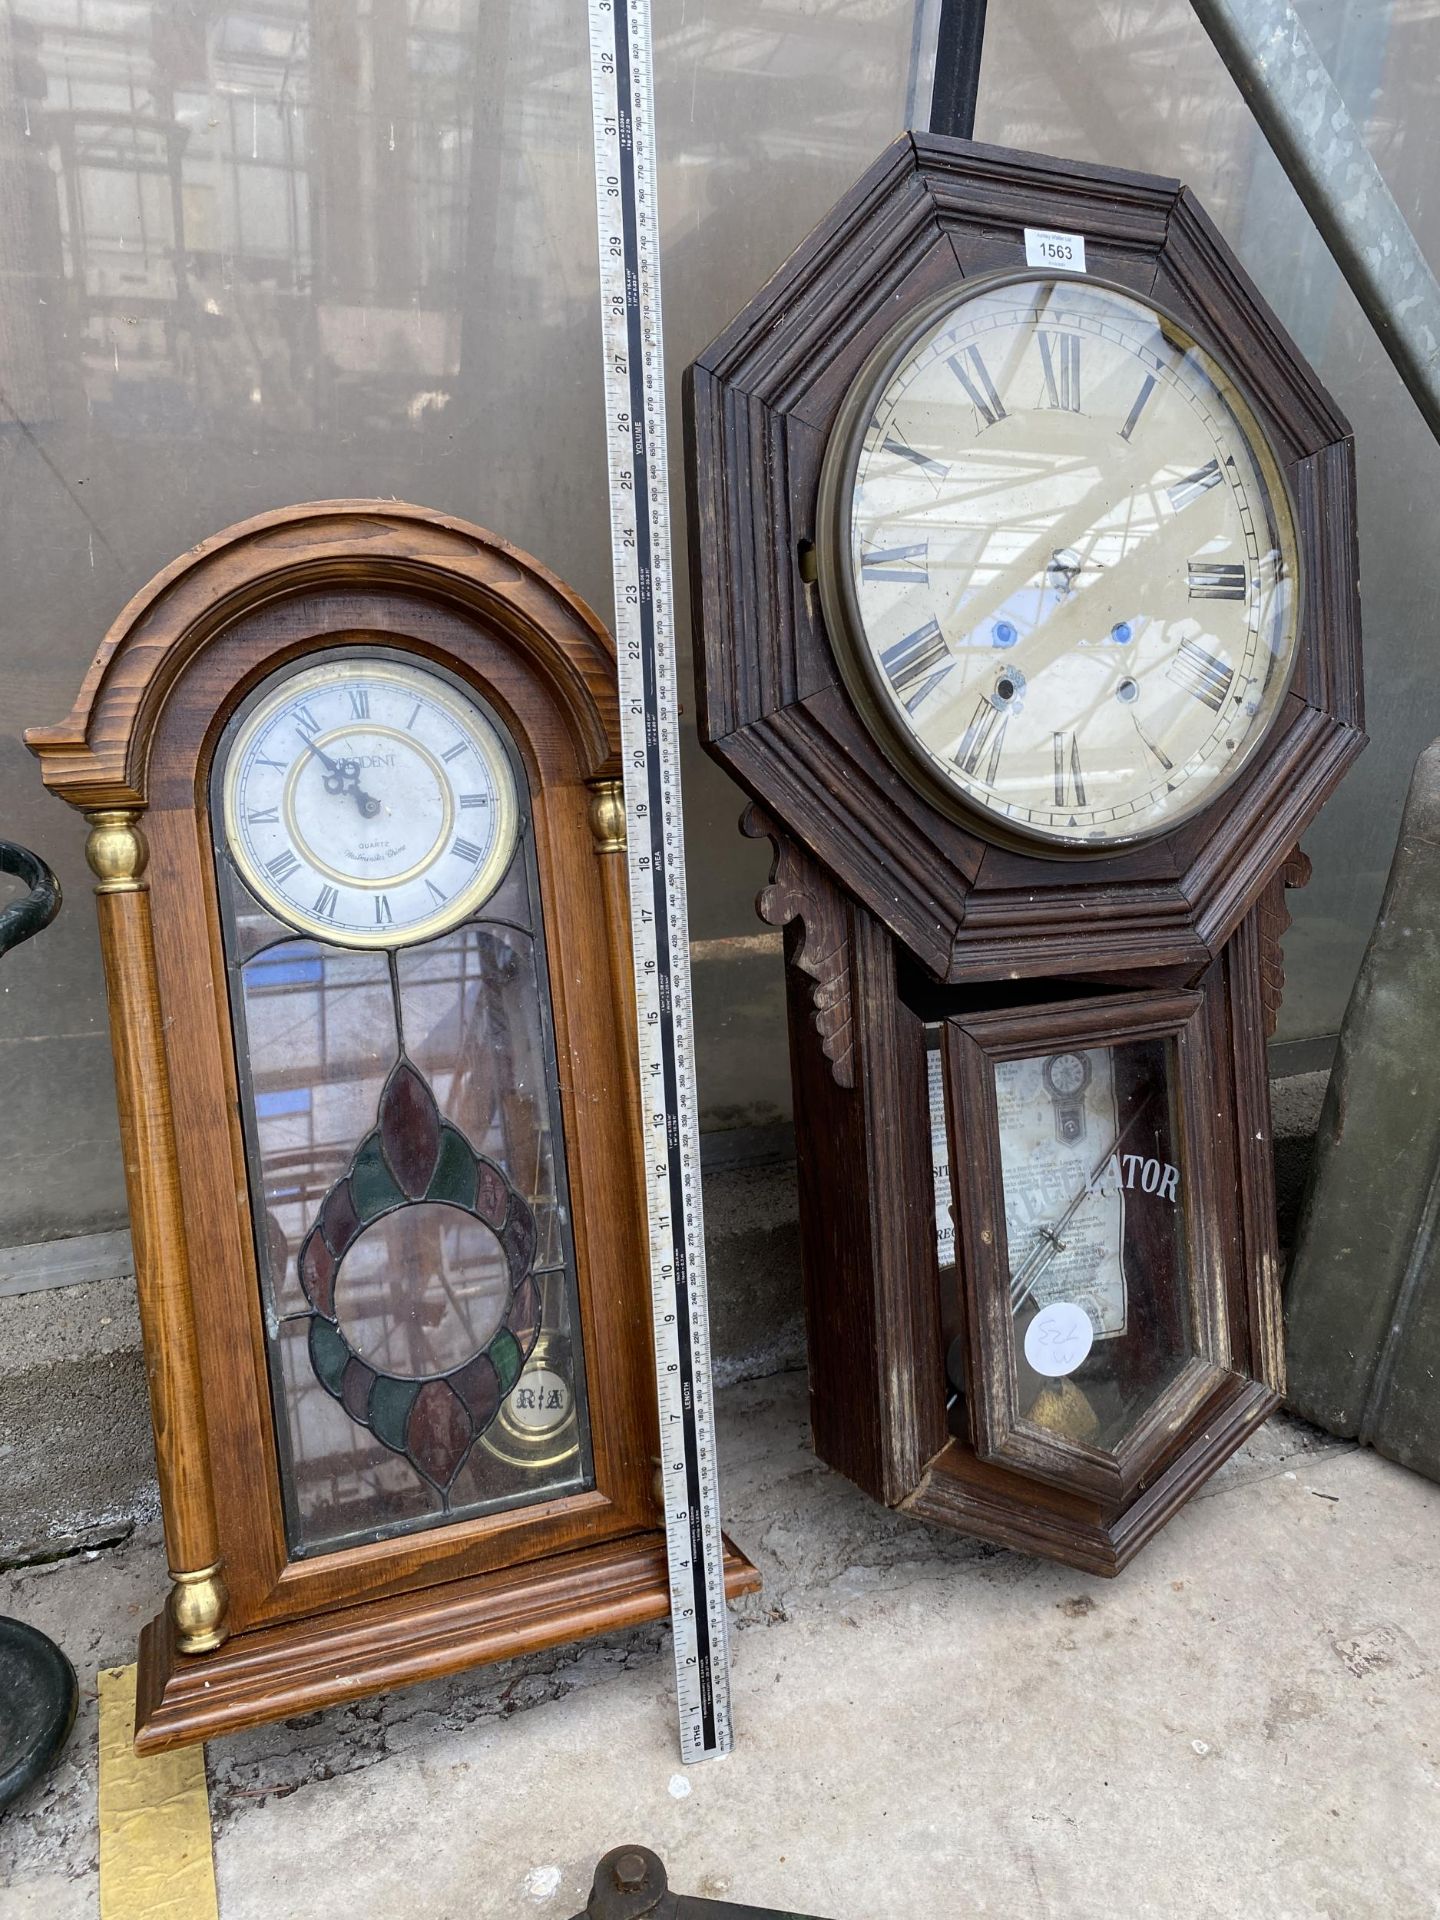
(621, 99)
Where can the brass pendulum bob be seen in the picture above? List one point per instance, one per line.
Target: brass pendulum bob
(1062, 1409)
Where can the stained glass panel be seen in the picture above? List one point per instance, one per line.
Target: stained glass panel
(412, 1232)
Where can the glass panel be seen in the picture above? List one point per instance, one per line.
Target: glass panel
(1062, 80)
(1095, 1232)
(472, 1025)
(940, 1153)
(412, 1228)
(321, 1029)
(345, 1484)
(318, 250)
(423, 1290)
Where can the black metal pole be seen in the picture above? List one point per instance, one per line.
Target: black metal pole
(959, 36)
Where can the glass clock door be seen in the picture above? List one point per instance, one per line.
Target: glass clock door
(1095, 1308)
(400, 1100)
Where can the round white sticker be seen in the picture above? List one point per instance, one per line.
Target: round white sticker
(540, 1401)
(1058, 1338)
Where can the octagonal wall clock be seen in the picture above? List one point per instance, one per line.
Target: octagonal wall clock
(352, 778)
(1028, 615)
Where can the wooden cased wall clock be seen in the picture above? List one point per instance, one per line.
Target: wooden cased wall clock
(351, 772)
(1023, 544)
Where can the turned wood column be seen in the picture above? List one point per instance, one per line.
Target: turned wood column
(118, 855)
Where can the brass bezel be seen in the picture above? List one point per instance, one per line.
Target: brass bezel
(840, 605)
(468, 716)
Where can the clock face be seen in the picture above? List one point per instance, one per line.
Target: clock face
(369, 802)
(1066, 1073)
(1058, 561)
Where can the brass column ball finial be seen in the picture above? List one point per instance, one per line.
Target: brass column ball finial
(199, 1606)
(607, 816)
(117, 851)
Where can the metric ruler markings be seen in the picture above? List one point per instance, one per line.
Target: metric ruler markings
(621, 98)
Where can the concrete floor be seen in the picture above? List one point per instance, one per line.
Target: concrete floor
(1247, 1723)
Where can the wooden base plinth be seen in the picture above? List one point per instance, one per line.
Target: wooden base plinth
(272, 1672)
(973, 1496)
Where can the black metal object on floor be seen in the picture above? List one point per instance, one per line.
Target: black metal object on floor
(38, 1697)
(38, 1694)
(33, 911)
(631, 1884)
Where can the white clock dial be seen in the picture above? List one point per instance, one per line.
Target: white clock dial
(369, 802)
(1058, 561)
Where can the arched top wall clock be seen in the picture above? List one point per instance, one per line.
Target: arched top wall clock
(351, 773)
(1025, 568)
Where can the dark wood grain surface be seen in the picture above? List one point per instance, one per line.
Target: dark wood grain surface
(900, 910)
(761, 401)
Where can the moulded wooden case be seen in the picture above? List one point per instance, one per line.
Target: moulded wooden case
(898, 913)
(762, 400)
(135, 754)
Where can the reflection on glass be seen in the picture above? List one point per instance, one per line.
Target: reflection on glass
(1061, 80)
(1095, 1201)
(423, 1291)
(413, 1233)
(1072, 558)
(322, 250)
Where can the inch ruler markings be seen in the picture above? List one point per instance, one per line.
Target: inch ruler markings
(626, 217)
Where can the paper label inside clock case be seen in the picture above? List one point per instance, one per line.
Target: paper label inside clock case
(940, 1162)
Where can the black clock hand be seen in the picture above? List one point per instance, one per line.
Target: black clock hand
(344, 777)
(369, 806)
(335, 780)
(347, 780)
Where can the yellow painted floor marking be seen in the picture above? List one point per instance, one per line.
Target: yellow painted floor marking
(157, 1861)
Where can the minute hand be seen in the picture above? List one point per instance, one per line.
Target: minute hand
(1022, 1282)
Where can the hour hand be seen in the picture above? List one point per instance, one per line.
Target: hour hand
(369, 806)
(346, 779)
(343, 776)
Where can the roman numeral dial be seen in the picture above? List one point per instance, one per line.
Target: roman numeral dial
(969, 368)
(917, 663)
(341, 786)
(1057, 563)
(902, 566)
(1060, 357)
(983, 742)
(1204, 677)
(1069, 774)
(1212, 580)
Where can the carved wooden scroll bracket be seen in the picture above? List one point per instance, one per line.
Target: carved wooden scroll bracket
(1274, 924)
(801, 890)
